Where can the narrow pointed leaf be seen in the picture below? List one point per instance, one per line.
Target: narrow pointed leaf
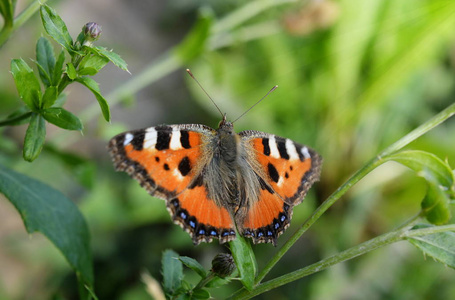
(440, 246)
(45, 58)
(58, 69)
(193, 265)
(71, 71)
(245, 261)
(48, 211)
(172, 269)
(92, 85)
(111, 56)
(92, 64)
(62, 118)
(56, 28)
(26, 83)
(49, 97)
(436, 204)
(34, 137)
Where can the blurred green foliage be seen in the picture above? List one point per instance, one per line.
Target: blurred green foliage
(354, 76)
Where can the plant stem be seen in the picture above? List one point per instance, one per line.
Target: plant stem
(374, 163)
(345, 255)
(20, 20)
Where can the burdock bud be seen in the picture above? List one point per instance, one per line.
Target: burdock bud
(223, 265)
(92, 31)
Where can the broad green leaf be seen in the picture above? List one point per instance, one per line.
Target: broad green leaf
(172, 270)
(7, 11)
(92, 64)
(62, 118)
(111, 56)
(421, 161)
(49, 97)
(58, 69)
(200, 294)
(26, 83)
(245, 261)
(218, 281)
(55, 27)
(193, 265)
(440, 246)
(45, 58)
(92, 85)
(71, 71)
(48, 211)
(195, 42)
(34, 137)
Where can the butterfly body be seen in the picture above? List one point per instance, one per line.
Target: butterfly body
(218, 183)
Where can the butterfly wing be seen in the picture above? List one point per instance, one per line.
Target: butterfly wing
(285, 170)
(168, 161)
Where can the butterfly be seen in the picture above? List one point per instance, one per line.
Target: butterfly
(217, 183)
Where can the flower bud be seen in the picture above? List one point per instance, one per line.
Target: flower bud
(223, 265)
(92, 31)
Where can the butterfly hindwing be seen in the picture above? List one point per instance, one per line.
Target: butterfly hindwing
(168, 162)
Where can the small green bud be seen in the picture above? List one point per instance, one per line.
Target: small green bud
(223, 265)
(92, 32)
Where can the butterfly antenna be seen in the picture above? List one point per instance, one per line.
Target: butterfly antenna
(192, 76)
(271, 90)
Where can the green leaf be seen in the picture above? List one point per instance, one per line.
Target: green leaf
(45, 58)
(49, 97)
(245, 261)
(18, 117)
(26, 83)
(56, 28)
(439, 176)
(440, 246)
(92, 64)
(436, 204)
(111, 56)
(71, 71)
(58, 69)
(48, 211)
(193, 265)
(34, 137)
(61, 99)
(195, 42)
(62, 118)
(172, 269)
(200, 294)
(421, 161)
(7, 11)
(92, 85)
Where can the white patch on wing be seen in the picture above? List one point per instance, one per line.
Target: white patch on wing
(273, 148)
(175, 139)
(177, 175)
(305, 152)
(290, 149)
(150, 138)
(128, 138)
(280, 181)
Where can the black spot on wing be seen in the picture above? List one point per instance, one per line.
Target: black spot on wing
(163, 137)
(198, 182)
(265, 186)
(166, 167)
(185, 139)
(184, 166)
(281, 144)
(273, 173)
(138, 140)
(265, 143)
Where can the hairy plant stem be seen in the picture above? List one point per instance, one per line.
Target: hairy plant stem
(375, 243)
(20, 20)
(372, 164)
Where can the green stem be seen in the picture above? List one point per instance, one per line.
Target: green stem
(374, 163)
(20, 20)
(375, 243)
(16, 119)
